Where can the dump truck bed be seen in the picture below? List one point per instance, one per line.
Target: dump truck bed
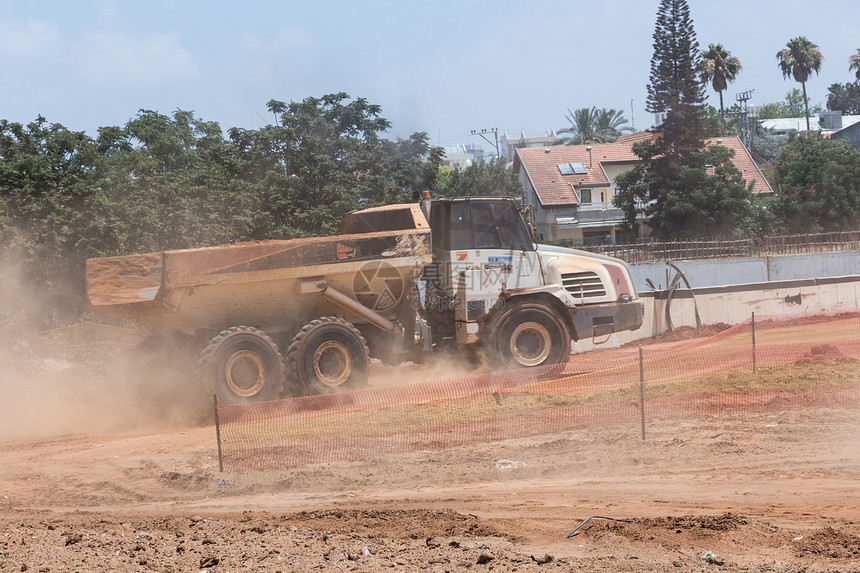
(255, 283)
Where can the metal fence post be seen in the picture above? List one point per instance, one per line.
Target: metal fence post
(218, 434)
(642, 392)
(753, 341)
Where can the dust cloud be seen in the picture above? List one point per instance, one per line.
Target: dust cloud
(77, 381)
(90, 379)
(18, 312)
(84, 378)
(438, 367)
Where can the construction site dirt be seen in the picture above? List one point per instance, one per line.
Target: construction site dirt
(773, 490)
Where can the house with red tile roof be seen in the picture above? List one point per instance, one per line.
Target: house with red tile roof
(571, 187)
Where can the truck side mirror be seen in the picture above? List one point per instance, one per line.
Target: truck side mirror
(527, 217)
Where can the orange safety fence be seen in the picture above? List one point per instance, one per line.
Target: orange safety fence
(767, 363)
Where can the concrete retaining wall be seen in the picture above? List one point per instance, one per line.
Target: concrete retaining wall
(709, 272)
(732, 304)
(716, 272)
(790, 267)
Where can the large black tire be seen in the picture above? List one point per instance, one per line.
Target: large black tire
(243, 364)
(527, 334)
(329, 355)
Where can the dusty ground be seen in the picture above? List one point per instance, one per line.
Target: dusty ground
(775, 491)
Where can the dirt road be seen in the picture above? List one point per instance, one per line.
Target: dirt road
(85, 487)
(763, 492)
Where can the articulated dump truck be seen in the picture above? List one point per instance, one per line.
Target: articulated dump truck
(270, 319)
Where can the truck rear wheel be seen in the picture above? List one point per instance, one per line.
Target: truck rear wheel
(528, 334)
(242, 364)
(329, 355)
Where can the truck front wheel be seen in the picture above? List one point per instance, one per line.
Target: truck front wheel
(329, 355)
(527, 334)
(242, 364)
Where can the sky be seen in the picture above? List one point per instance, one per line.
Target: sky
(444, 67)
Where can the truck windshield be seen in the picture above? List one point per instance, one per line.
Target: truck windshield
(482, 224)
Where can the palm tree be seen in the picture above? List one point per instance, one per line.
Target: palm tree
(719, 67)
(610, 125)
(854, 63)
(592, 125)
(799, 59)
(582, 128)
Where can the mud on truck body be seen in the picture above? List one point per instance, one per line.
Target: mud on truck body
(268, 319)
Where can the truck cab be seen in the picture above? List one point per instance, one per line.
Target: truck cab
(491, 286)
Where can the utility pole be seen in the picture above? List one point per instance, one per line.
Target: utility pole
(743, 98)
(495, 132)
(632, 119)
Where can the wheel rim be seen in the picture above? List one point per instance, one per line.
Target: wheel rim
(332, 363)
(246, 373)
(530, 344)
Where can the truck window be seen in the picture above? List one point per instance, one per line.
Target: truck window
(483, 224)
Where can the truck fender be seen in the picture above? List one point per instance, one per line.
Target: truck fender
(526, 331)
(551, 296)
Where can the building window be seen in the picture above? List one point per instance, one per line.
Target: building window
(588, 196)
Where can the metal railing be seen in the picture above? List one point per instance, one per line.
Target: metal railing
(654, 251)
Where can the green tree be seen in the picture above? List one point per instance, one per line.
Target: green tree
(854, 63)
(794, 105)
(54, 213)
(844, 98)
(330, 158)
(730, 121)
(818, 184)
(583, 127)
(330, 147)
(175, 183)
(684, 189)
(413, 164)
(593, 125)
(611, 124)
(799, 59)
(491, 179)
(707, 197)
(719, 67)
(675, 87)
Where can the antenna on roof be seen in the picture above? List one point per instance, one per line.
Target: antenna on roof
(632, 120)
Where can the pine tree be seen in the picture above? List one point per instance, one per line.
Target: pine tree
(675, 86)
(682, 188)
